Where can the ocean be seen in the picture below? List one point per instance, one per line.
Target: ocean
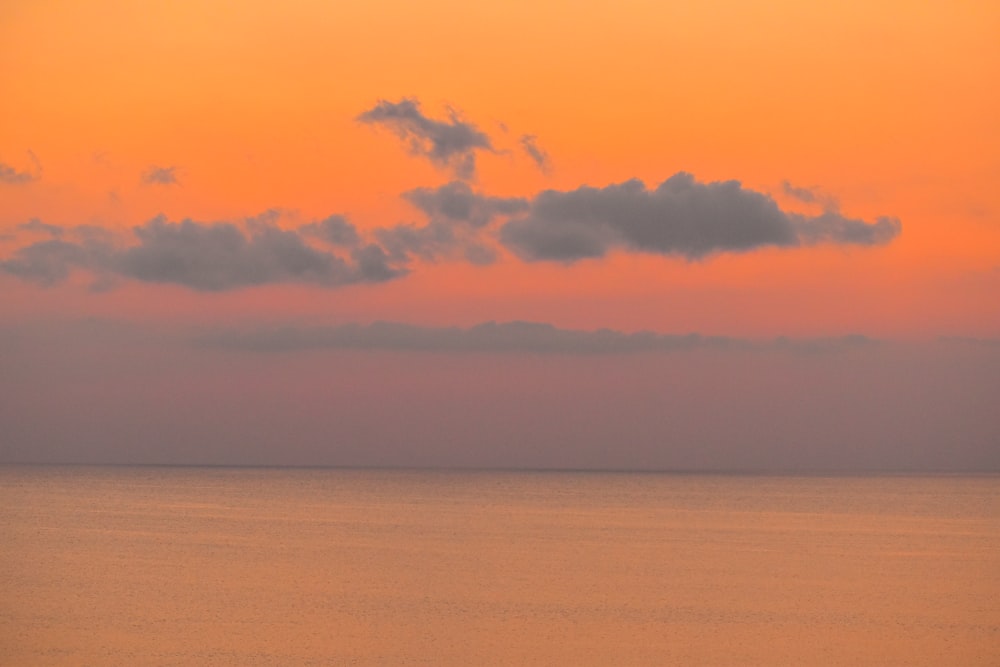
(261, 566)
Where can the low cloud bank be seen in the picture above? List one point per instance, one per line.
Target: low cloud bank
(511, 337)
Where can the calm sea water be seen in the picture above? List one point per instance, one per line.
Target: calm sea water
(189, 566)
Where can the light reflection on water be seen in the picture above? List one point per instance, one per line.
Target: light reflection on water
(229, 566)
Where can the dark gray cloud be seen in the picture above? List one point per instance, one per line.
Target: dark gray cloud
(221, 256)
(373, 265)
(46, 262)
(430, 242)
(202, 256)
(160, 176)
(456, 215)
(450, 143)
(335, 230)
(50, 261)
(12, 176)
(435, 241)
(680, 217)
(832, 227)
(529, 143)
(513, 337)
(456, 201)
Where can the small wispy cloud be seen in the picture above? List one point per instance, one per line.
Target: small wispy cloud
(12, 176)
(529, 143)
(810, 195)
(160, 176)
(450, 143)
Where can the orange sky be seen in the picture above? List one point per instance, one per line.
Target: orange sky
(889, 108)
(130, 340)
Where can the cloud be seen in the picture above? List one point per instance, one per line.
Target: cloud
(804, 195)
(430, 242)
(819, 345)
(160, 176)
(456, 214)
(50, 261)
(221, 256)
(457, 202)
(437, 240)
(202, 256)
(36, 225)
(811, 195)
(12, 176)
(831, 227)
(335, 230)
(450, 144)
(46, 262)
(507, 337)
(541, 158)
(373, 265)
(681, 217)
(970, 340)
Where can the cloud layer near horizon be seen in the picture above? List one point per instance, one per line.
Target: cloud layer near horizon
(511, 394)
(503, 337)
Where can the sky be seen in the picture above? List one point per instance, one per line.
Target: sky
(633, 235)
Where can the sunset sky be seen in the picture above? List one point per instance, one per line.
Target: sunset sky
(717, 235)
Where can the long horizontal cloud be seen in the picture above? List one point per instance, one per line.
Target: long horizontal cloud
(521, 337)
(202, 256)
(680, 217)
(450, 143)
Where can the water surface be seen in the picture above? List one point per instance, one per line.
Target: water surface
(217, 566)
